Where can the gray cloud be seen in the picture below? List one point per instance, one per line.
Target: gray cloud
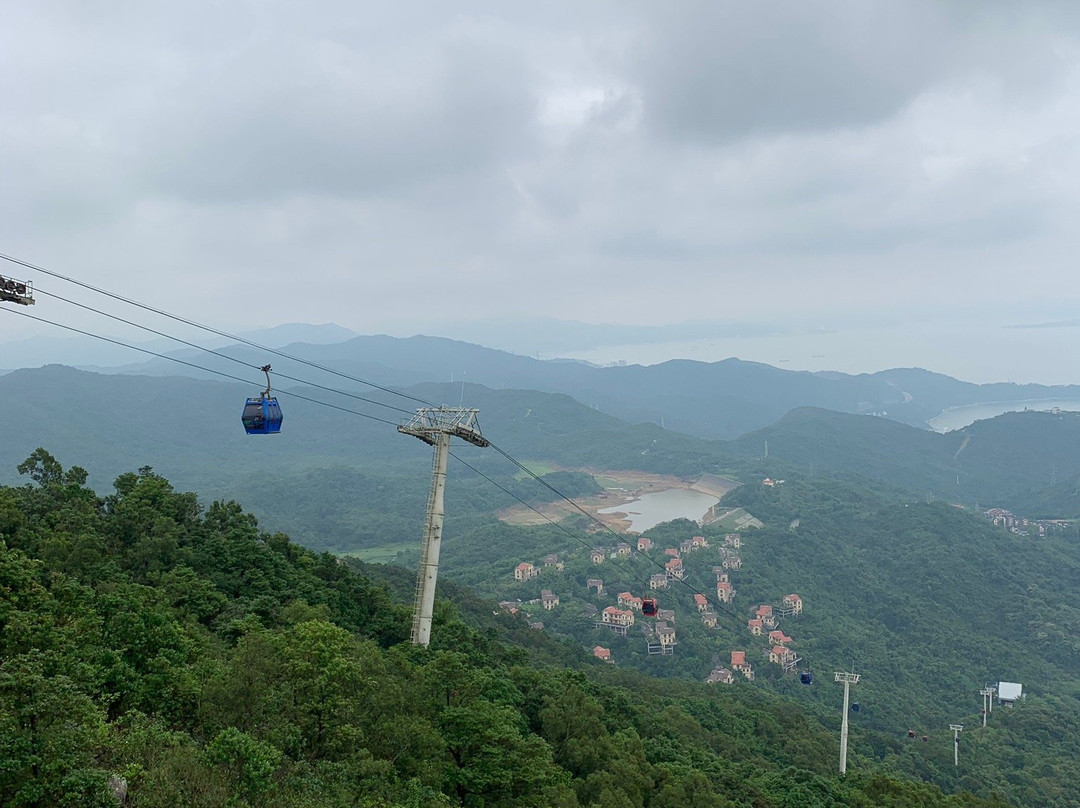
(612, 162)
(717, 71)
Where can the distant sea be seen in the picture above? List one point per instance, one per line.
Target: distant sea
(959, 417)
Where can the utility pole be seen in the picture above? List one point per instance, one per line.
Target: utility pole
(956, 730)
(847, 679)
(988, 700)
(435, 426)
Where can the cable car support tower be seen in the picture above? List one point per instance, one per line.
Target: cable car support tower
(847, 679)
(435, 426)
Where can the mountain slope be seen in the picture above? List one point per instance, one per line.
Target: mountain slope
(199, 662)
(1008, 461)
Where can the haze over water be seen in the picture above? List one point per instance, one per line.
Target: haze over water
(972, 352)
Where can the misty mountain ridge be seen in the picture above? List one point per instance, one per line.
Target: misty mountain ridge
(712, 400)
(93, 354)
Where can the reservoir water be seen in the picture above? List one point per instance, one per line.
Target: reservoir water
(959, 417)
(649, 510)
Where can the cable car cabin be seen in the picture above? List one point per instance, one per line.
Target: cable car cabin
(262, 416)
(855, 707)
(648, 607)
(806, 677)
(911, 733)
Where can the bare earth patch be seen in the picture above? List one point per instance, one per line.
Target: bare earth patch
(620, 486)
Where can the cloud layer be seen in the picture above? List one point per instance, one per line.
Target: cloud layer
(385, 166)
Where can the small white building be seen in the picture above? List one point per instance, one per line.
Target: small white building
(1009, 693)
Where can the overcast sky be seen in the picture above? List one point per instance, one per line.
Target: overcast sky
(396, 167)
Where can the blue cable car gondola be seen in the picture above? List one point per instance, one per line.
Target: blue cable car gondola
(262, 415)
(648, 607)
(807, 677)
(855, 707)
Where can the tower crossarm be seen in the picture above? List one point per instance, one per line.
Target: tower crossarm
(457, 421)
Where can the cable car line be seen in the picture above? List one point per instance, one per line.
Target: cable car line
(219, 353)
(211, 329)
(193, 365)
(277, 352)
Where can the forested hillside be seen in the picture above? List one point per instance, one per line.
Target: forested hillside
(110, 423)
(313, 479)
(1025, 461)
(178, 653)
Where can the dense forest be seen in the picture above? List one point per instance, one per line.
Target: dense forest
(151, 645)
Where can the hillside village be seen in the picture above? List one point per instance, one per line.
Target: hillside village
(652, 612)
(1022, 526)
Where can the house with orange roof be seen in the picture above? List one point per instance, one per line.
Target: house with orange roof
(524, 571)
(644, 544)
(793, 602)
(617, 617)
(701, 602)
(781, 655)
(671, 551)
(602, 653)
(778, 637)
(739, 663)
(674, 568)
(754, 624)
(699, 542)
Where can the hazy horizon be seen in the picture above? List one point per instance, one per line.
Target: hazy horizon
(1020, 355)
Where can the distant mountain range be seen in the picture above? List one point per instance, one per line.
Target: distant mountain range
(712, 400)
(110, 423)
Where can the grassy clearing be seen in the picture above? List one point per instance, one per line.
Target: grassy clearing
(386, 554)
(539, 469)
